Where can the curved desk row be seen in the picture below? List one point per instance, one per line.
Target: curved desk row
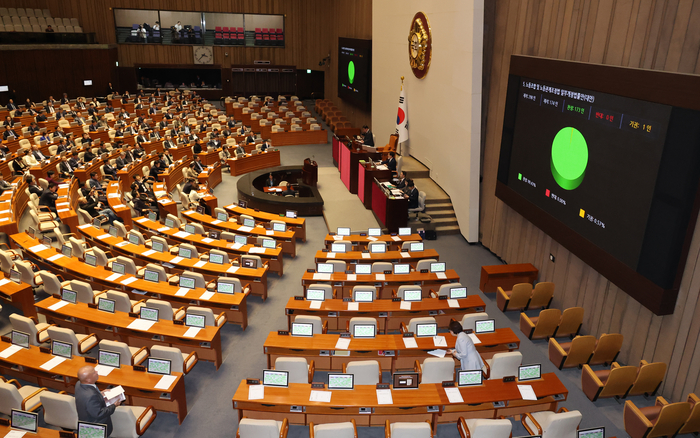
(354, 257)
(249, 163)
(361, 242)
(298, 223)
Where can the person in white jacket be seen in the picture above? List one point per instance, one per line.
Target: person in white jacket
(464, 350)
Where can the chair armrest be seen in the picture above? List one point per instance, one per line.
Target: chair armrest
(141, 429)
(39, 332)
(81, 342)
(432, 293)
(247, 289)
(590, 383)
(14, 382)
(136, 303)
(221, 319)
(614, 365)
(325, 327)
(636, 423)
(642, 363)
(502, 299)
(312, 370)
(196, 359)
(660, 401)
(209, 282)
(178, 311)
(387, 430)
(487, 373)
(354, 427)
(284, 429)
(562, 409)
(335, 294)
(27, 398)
(37, 279)
(462, 428)
(417, 369)
(393, 293)
(557, 355)
(531, 418)
(692, 399)
(311, 430)
(133, 356)
(526, 325)
(98, 293)
(403, 328)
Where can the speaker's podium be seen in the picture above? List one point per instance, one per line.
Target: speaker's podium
(309, 173)
(390, 210)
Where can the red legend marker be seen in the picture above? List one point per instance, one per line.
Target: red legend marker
(546, 193)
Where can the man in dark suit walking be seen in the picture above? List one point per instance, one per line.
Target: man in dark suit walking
(89, 401)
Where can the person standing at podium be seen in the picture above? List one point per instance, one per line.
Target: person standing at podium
(367, 137)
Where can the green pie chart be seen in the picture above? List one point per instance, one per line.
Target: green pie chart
(569, 158)
(351, 72)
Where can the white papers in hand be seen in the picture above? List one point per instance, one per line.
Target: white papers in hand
(48, 366)
(320, 396)
(165, 382)
(405, 305)
(206, 296)
(9, 351)
(410, 342)
(256, 392)
(351, 277)
(315, 304)
(384, 397)
(439, 341)
(475, 339)
(453, 395)
(354, 306)
(58, 305)
(526, 392)
(192, 332)
(113, 277)
(441, 275)
(380, 277)
(182, 292)
(103, 370)
(325, 277)
(141, 324)
(437, 353)
(453, 303)
(342, 344)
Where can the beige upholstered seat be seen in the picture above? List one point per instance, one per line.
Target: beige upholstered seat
(469, 320)
(37, 332)
(409, 430)
(179, 361)
(299, 370)
(249, 428)
(436, 369)
(359, 320)
(318, 325)
(484, 428)
(165, 310)
(122, 302)
(127, 355)
(328, 292)
(503, 364)
(15, 396)
(81, 343)
(209, 318)
(366, 372)
(59, 410)
(131, 421)
(372, 289)
(552, 425)
(333, 430)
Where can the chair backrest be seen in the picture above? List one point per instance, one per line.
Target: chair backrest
(338, 265)
(129, 265)
(547, 323)
(380, 267)
(542, 294)
(648, 378)
(375, 244)
(469, 319)
(367, 372)
(692, 425)
(422, 320)
(223, 254)
(65, 335)
(607, 348)
(120, 228)
(619, 381)
(425, 264)
(175, 220)
(361, 321)
(483, 428)
(346, 243)
(308, 319)
(411, 430)
(25, 269)
(445, 288)
(26, 325)
(505, 364)
(10, 398)
(165, 310)
(162, 241)
(364, 289)
(437, 369)
(520, 296)
(249, 428)
(399, 165)
(571, 320)
(206, 312)
(117, 347)
(59, 410)
(670, 419)
(580, 350)
(174, 355)
(561, 425)
(51, 283)
(5, 262)
(326, 288)
(197, 276)
(297, 367)
(122, 303)
(83, 290)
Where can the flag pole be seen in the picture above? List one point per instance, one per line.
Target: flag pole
(401, 83)
(398, 145)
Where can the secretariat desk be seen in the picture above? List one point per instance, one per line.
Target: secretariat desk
(249, 163)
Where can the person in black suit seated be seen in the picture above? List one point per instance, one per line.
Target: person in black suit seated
(367, 137)
(18, 165)
(9, 133)
(33, 128)
(41, 117)
(121, 160)
(88, 156)
(74, 160)
(265, 145)
(190, 185)
(197, 165)
(168, 142)
(143, 205)
(240, 149)
(137, 151)
(109, 170)
(48, 197)
(33, 186)
(156, 170)
(270, 181)
(65, 170)
(197, 148)
(38, 155)
(391, 161)
(411, 194)
(290, 191)
(401, 184)
(250, 139)
(90, 402)
(87, 141)
(11, 105)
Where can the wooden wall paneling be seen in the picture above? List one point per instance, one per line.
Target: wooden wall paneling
(678, 36)
(691, 43)
(665, 33)
(619, 28)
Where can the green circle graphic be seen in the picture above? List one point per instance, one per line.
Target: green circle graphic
(351, 72)
(569, 158)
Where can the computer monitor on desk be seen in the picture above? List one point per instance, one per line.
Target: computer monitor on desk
(597, 432)
(91, 430)
(405, 380)
(363, 268)
(24, 420)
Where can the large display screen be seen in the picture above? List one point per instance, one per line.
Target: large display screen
(355, 71)
(608, 172)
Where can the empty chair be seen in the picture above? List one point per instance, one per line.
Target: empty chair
(333, 430)
(376, 245)
(81, 343)
(37, 332)
(542, 326)
(74, 22)
(130, 267)
(469, 320)
(380, 267)
(179, 361)
(606, 349)
(435, 369)
(52, 284)
(649, 378)
(542, 295)
(59, 410)
(615, 382)
(419, 429)
(299, 370)
(552, 425)
(165, 310)
(692, 425)
(26, 272)
(319, 326)
(424, 264)
(84, 291)
(66, 22)
(570, 323)
(328, 292)
(249, 428)
(484, 428)
(258, 261)
(345, 243)
(237, 288)
(571, 354)
(198, 278)
(444, 289)
(15, 396)
(131, 421)
(357, 289)
(122, 302)
(503, 364)
(413, 323)
(360, 320)
(366, 372)
(127, 355)
(516, 299)
(208, 314)
(663, 419)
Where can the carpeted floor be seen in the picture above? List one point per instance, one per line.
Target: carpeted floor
(209, 391)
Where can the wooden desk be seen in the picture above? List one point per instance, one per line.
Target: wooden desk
(249, 163)
(114, 326)
(139, 386)
(506, 276)
(209, 157)
(348, 164)
(41, 432)
(256, 277)
(286, 238)
(311, 348)
(388, 314)
(408, 404)
(173, 175)
(67, 204)
(211, 176)
(16, 295)
(204, 243)
(365, 180)
(354, 257)
(234, 305)
(298, 224)
(127, 173)
(344, 285)
(391, 213)
(361, 242)
(299, 137)
(116, 203)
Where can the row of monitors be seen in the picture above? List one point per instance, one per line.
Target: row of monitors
(407, 380)
(366, 268)
(105, 357)
(424, 330)
(456, 293)
(374, 232)
(379, 247)
(29, 422)
(289, 214)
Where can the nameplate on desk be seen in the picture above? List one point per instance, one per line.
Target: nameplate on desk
(507, 379)
(178, 322)
(45, 350)
(4, 422)
(383, 386)
(408, 335)
(283, 332)
(92, 305)
(139, 368)
(468, 331)
(310, 271)
(448, 384)
(66, 434)
(90, 359)
(424, 271)
(443, 297)
(345, 335)
(395, 299)
(299, 298)
(318, 385)
(252, 381)
(133, 315)
(5, 339)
